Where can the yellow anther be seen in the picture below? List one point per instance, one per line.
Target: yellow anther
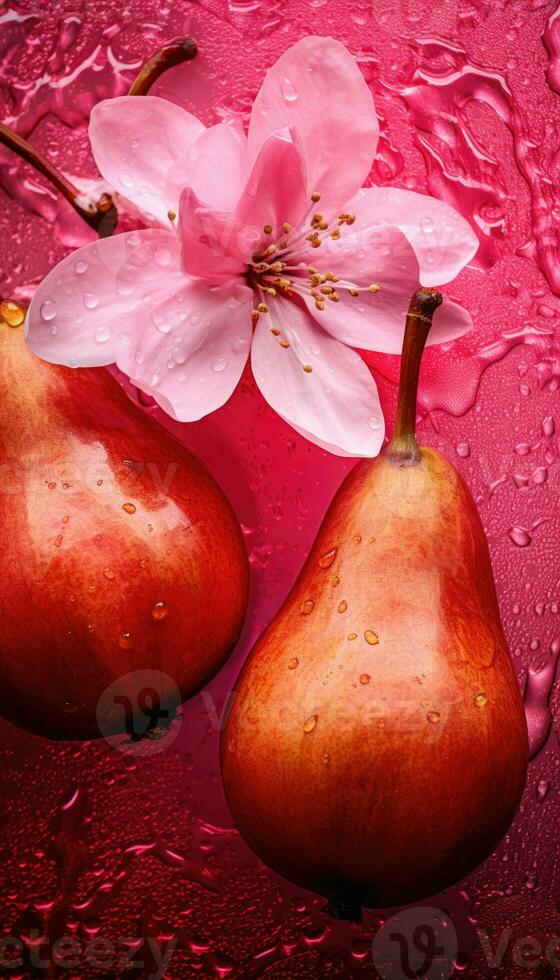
(311, 270)
(284, 343)
(319, 306)
(334, 296)
(350, 219)
(283, 245)
(171, 215)
(315, 197)
(275, 331)
(270, 290)
(354, 292)
(269, 251)
(327, 289)
(374, 288)
(330, 277)
(286, 228)
(262, 308)
(335, 234)
(307, 368)
(267, 229)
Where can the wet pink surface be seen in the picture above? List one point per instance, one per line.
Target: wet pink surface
(98, 843)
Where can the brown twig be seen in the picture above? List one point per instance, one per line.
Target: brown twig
(167, 57)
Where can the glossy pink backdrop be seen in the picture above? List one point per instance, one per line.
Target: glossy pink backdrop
(98, 843)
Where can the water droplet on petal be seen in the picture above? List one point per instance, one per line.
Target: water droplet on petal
(293, 663)
(219, 364)
(80, 267)
(463, 449)
(126, 180)
(364, 679)
(307, 607)
(163, 257)
(310, 724)
(161, 323)
(289, 91)
(433, 717)
(48, 309)
(374, 423)
(371, 638)
(342, 606)
(91, 300)
(101, 335)
(129, 508)
(481, 700)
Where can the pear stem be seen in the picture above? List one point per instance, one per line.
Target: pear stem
(167, 57)
(403, 448)
(101, 216)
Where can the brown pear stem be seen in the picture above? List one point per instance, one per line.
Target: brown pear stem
(101, 216)
(403, 448)
(167, 57)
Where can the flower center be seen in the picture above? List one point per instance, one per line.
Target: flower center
(274, 269)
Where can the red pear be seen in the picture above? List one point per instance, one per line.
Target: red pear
(376, 748)
(121, 553)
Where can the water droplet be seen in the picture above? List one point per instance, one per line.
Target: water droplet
(374, 423)
(80, 267)
(91, 300)
(548, 426)
(289, 91)
(12, 313)
(371, 638)
(463, 449)
(481, 700)
(310, 724)
(364, 678)
(48, 310)
(293, 663)
(58, 540)
(342, 606)
(219, 364)
(161, 323)
(433, 717)
(163, 257)
(125, 641)
(327, 560)
(520, 536)
(335, 581)
(159, 611)
(427, 225)
(101, 335)
(109, 573)
(239, 345)
(126, 180)
(543, 789)
(129, 508)
(352, 636)
(307, 607)
(357, 538)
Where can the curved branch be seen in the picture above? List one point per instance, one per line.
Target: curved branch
(167, 57)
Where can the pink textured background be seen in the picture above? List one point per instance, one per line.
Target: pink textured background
(468, 96)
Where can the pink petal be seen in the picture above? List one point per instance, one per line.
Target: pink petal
(317, 87)
(85, 301)
(215, 243)
(379, 255)
(215, 167)
(336, 405)
(444, 242)
(276, 187)
(189, 348)
(135, 142)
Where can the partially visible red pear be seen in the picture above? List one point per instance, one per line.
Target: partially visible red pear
(121, 553)
(376, 748)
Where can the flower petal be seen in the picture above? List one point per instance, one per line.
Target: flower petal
(379, 255)
(215, 243)
(335, 405)
(276, 188)
(83, 303)
(371, 321)
(215, 167)
(444, 242)
(188, 351)
(135, 142)
(317, 87)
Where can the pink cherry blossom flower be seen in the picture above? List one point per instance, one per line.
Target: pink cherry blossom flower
(263, 243)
